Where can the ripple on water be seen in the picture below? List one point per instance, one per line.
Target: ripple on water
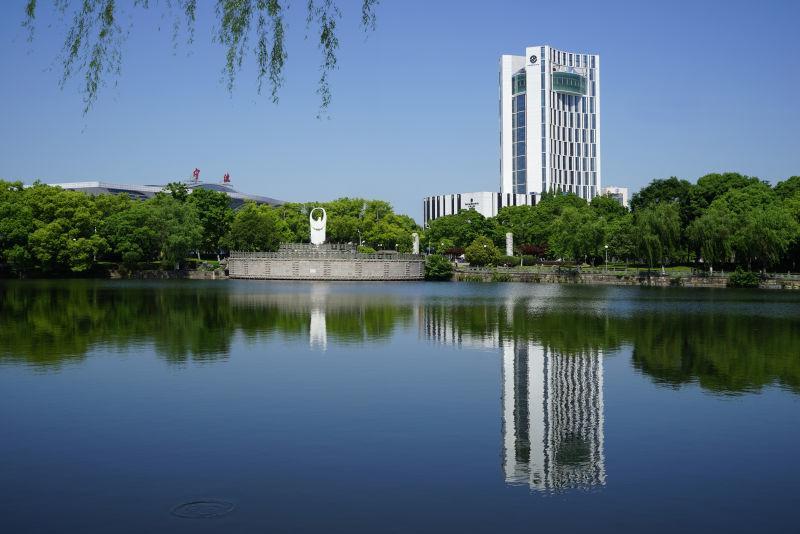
(203, 509)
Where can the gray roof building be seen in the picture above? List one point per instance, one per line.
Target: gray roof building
(147, 191)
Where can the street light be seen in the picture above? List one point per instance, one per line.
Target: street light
(606, 258)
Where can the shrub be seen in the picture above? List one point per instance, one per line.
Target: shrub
(508, 261)
(501, 277)
(437, 267)
(742, 278)
(363, 249)
(529, 260)
(482, 251)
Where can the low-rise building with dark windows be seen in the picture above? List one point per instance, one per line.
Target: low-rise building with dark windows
(486, 203)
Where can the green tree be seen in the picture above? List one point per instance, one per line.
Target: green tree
(64, 232)
(438, 268)
(215, 215)
(607, 207)
(621, 238)
(712, 186)
(176, 228)
(760, 228)
(177, 190)
(657, 231)
(463, 228)
(788, 188)
(16, 225)
(660, 191)
(712, 235)
(577, 234)
(131, 232)
(256, 228)
(482, 251)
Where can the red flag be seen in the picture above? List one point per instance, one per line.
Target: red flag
(196, 174)
(226, 178)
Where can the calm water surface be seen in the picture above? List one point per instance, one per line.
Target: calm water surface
(396, 408)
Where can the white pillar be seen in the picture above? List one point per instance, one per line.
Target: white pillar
(415, 237)
(509, 244)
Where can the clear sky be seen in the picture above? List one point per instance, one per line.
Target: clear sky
(688, 88)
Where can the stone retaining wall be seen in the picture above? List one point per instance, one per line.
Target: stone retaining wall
(320, 268)
(490, 275)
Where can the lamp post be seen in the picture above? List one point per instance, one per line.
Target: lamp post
(606, 258)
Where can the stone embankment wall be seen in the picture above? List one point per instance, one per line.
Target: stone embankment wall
(490, 275)
(352, 267)
(170, 275)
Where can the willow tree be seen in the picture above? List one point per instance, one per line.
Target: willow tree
(93, 43)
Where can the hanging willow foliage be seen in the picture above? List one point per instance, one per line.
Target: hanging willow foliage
(93, 44)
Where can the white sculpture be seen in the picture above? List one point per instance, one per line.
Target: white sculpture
(509, 244)
(318, 226)
(415, 237)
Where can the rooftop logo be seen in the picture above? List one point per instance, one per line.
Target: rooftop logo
(533, 60)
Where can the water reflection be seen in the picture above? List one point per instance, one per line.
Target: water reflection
(552, 395)
(726, 345)
(552, 417)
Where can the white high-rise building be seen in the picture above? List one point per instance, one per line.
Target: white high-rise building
(550, 122)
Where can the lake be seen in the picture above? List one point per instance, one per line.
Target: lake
(234, 406)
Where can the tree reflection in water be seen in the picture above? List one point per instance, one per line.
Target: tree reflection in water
(552, 356)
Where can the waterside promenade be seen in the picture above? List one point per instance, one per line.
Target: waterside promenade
(619, 276)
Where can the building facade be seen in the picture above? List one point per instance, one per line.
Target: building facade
(550, 122)
(237, 198)
(486, 203)
(620, 194)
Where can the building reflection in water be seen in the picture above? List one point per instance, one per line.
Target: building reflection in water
(552, 404)
(552, 417)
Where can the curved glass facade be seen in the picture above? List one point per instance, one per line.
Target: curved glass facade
(569, 83)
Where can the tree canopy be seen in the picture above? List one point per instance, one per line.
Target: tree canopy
(48, 230)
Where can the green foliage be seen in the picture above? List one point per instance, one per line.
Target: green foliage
(577, 234)
(749, 223)
(656, 230)
(462, 229)
(741, 278)
(177, 190)
(352, 220)
(363, 249)
(215, 215)
(48, 230)
(438, 268)
(607, 207)
(482, 251)
(788, 188)
(95, 39)
(256, 228)
(508, 261)
(500, 277)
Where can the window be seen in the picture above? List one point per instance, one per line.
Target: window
(518, 83)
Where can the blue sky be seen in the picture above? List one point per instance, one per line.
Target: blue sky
(688, 88)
